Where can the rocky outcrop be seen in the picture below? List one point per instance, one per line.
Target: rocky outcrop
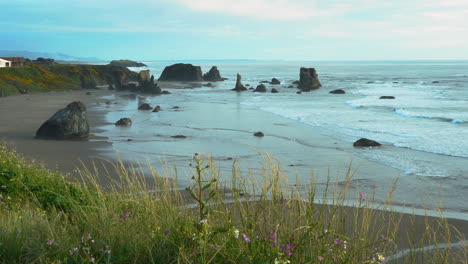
(239, 87)
(208, 85)
(364, 142)
(127, 63)
(213, 75)
(274, 90)
(68, 123)
(157, 109)
(387, 97)
(308, 79)
(338, 91)
(260, 88)
(44, 62)
(145, 107)
(146, 83)
(181, 73)
(275, 81)
(124, 122)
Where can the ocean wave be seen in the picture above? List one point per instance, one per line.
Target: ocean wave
(406, 113)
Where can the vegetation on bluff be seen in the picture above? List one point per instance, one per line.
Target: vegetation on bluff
(35, 78)
(44, 218)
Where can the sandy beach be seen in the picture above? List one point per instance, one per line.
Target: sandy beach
(221, 129)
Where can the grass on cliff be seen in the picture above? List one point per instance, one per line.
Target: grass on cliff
(45, 218)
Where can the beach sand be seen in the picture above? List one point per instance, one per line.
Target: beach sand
(224, 130)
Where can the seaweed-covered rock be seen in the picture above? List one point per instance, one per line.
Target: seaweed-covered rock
(364, 142)
(68, 123)
(239, 87)
(181, 72)
(309, 79)
(213, 75)
(124, 122)
(260, 88)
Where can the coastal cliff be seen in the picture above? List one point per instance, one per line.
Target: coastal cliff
(35, 78)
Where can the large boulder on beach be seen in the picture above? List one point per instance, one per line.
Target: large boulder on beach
(364, 142)
(145, 107)
(68, 123)
(239, 87)
(124, 122)
(308, 79)
(181, 72)
(260, 88)
(213, 75)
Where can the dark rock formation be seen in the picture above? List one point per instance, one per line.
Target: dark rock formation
(298, 92)
(111, 87)
(87, 83)
(68, 123)
(157, 109)
(181, 72)
(247, 85)
(275, 81)
(127, 63)
(274, 90)
(308, 79)
(146, 83)
(166, 92)
(290, 86)
(259, 134)
(338, 91)
(124, 122)
(239, 87)
(370, 82)
(251, 88)
(387, 97)
(179, 136)
(213, 75)
(364, 142)
(435, 82)
(260, 88)
(208, 85)
(145, 107)
(296, 82)
(264, 81)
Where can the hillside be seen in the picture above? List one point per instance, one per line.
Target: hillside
(34, 78)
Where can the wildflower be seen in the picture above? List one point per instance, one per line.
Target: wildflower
(126, 215)
(236, 233)
(288, 248)
(166, 232)
(337, 241)
(246, 238)
(320, 258)
(92, 260)
(204, 221)
(50, 241)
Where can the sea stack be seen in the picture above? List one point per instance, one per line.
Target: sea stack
(181, 72)
(68, 123)
(239, 87)
(146, 83)
(213, 75)
(309, 79)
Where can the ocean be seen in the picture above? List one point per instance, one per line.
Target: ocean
(424, 130)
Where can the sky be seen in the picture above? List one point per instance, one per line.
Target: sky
(304, 30)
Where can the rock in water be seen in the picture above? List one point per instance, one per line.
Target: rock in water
(146, 83)
(239, 87)
(124, 122)
(338, 91)
(260, 88)
(364, 142)
(145, 107)
(259, 134)
(275, 81)
(274, 90)
(213, 75)
(181, 72)
(308, 79)
(387, 97)
(68, 123)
